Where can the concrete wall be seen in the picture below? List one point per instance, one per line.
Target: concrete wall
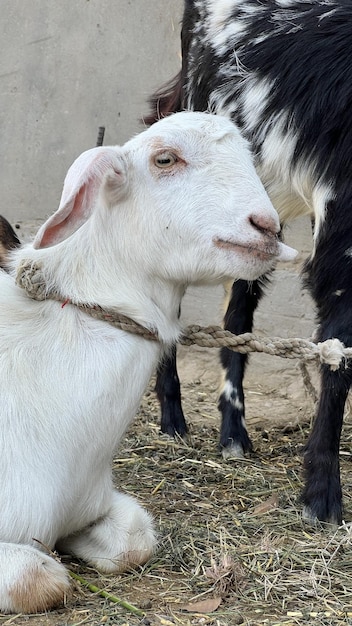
(66, 68)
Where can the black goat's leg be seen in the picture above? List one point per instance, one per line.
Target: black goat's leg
(322, 496)
(169, 394)
(234, 439)
(328, 275)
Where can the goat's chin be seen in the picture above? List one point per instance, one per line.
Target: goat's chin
(254, 268)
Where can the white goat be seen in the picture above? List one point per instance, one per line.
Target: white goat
(178, 204)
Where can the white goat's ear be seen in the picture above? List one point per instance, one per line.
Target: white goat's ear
(82, 185)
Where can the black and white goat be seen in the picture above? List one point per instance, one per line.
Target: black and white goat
(281, 69)
(180, 203)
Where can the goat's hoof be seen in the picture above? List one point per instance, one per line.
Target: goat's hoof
(233, 451)
(310, 517)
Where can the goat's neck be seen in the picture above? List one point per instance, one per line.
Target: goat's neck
(155, 304)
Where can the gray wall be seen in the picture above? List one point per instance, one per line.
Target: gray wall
(67, 67)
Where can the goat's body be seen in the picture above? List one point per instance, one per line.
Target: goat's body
(123, 238)
(91, 362)
(56, 472)
(281, 70)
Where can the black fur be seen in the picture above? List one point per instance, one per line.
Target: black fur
(8, 240)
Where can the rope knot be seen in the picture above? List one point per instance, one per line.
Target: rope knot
(331, 352)
(30, 278)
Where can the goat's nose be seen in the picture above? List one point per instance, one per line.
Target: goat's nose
(265, 224)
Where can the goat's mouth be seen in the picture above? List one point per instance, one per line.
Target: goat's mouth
(257, 250)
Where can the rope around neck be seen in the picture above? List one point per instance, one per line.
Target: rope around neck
(330, 352)
(30, 278)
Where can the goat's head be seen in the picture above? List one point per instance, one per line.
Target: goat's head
(182, 199)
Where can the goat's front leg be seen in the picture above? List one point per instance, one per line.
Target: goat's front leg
(169, 395)
(122, 537)
(322, 495)
(234, 439)
(328, 276)
(30, 581)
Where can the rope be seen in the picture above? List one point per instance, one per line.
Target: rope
(30, 278)
(330, 352)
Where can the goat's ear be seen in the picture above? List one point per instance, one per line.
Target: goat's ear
(84, 179)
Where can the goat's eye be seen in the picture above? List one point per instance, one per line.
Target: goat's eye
(165, 159)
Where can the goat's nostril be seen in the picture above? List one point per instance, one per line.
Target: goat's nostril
(264, 224)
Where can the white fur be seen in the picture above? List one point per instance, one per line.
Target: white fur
(220, 28)
(231, 395)
(130, 236)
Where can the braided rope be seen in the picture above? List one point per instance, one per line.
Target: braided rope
(330, 352)
(30, 278)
